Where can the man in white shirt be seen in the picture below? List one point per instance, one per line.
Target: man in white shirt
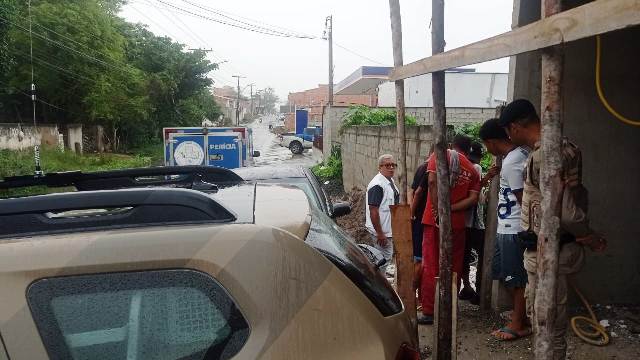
(508, 259)
(382, 193)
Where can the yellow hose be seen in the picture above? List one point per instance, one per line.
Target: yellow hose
(598, 335)
(601, 94)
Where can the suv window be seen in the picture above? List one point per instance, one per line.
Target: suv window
(167, 314)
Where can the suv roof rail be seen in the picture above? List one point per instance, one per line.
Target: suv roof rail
(196, 177)
(108, 209)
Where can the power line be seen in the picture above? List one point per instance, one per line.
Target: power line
(262, 23)
(9, 87)
(81, 44)
(221, 72)
(288, 33)
(252, 29)
(185, 29)
(63, 46)
(57, 68)
(357, 54)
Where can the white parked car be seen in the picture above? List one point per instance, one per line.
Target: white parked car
(294, 143)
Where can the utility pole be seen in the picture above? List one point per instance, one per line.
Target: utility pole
(328, 23)
(238, 100)
(444, 339)
(252, 110)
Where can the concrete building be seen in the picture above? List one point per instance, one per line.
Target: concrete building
(315, 99)
(464, 90)
(226, 98)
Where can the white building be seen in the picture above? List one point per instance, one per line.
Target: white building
(463, 90)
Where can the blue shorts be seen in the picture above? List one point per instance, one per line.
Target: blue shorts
(508, 261)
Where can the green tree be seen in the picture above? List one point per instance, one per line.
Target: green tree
(92, 67)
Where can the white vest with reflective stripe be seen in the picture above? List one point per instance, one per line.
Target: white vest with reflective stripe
(388, 198)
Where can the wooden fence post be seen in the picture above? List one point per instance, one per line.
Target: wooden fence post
(396, 37)
(444, 205)
(403, 246)
(551, 187)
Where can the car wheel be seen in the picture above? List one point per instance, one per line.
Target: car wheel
(296, 147)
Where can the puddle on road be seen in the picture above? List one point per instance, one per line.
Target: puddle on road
(271, 153)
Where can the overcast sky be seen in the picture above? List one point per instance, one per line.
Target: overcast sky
(289, 64)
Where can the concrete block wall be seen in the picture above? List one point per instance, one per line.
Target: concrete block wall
(17, 137)
(362, 145)
(333, 118)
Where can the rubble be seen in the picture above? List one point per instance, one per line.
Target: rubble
(353, 223)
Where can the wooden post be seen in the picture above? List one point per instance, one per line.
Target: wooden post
(551, 187)
(396, 37)
(490, 231)
(403, 245)
(444, 205)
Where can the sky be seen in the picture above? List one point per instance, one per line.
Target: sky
(291, 64)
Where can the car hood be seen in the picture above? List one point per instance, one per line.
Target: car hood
(284, 207)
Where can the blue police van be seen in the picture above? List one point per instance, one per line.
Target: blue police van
(227, 147)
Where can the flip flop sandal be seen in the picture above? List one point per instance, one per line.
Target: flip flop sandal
(516, 336)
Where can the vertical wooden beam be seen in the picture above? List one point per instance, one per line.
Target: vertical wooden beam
(551, 187)
(444, 206)
(490, 231)
(403, 245)
(396, 37)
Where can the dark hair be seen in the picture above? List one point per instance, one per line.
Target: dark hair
(475, 155)
(521, 111)
(462, 142)
(491, 129)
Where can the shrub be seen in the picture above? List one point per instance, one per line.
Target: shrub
(364, 115)
(331, 169)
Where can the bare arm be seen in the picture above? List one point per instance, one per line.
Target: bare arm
(416, 195)
(518, 194)
(466, 203)
(374, 213)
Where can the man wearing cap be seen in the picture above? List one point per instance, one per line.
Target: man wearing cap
(522, 124)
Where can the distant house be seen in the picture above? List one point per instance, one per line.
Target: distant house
(315, 99)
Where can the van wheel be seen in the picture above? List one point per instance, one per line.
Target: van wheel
(296, 147)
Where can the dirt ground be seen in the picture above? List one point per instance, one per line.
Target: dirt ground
(475, 341)
(474, 328)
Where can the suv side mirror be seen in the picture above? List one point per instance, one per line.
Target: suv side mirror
(256, 154)
(341, 209)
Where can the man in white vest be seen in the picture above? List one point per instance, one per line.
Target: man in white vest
(381, 193)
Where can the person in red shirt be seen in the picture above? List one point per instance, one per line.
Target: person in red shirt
(464, 190)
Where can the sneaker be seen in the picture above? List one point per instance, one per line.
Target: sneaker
(466, 294)
(425, 320)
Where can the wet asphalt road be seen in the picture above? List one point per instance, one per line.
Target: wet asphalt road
(271, 153)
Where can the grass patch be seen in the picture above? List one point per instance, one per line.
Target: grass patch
(13, 163)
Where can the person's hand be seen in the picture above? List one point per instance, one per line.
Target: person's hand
(595, 242)
(382, 239)
(493, 171)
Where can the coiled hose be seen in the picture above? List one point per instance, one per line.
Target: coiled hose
(588, 329)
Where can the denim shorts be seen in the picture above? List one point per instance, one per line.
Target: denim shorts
(508, 261)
